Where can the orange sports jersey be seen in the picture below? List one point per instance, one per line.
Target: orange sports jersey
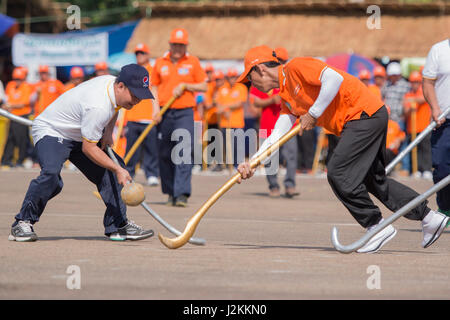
(300, 86)
(375, 90)
(143, 111)
(19, 95)
(166, 76)
(393, 133)
(211, 113)
(229, 96)
(423, 113)
(48, 92)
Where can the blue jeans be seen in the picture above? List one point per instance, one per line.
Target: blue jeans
(175, 177)
(52, 153)
(440, 153)
(406, 161)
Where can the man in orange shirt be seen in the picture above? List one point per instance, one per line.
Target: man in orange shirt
(230, 109)
(19, 94)
(415, 100)
(138, 118)
(379, 76)
(177, 74)
(365, 76)
(48, 90)
(76, 77)
(101, 69)
(321, 95)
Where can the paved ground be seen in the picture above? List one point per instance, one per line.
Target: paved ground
(257, 248)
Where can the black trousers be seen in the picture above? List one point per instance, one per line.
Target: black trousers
(357, 168)
(18, 136)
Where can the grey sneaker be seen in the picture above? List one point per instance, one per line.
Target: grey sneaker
(23, 232)
(181, 201)
(130, 231)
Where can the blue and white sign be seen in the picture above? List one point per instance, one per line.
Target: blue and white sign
(60, 49)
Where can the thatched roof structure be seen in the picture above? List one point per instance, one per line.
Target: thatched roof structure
(226, 30)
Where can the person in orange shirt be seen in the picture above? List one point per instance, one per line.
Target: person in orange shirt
(394, 137)
(48, 90)
(415, 100)
(76, 77)
(321, 95)
(180, 75)
(19, 95)
(379, 76)
(101, 69)
(365, 76)
(137, 120)
(230, 109)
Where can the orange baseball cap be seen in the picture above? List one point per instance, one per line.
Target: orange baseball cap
(76, 72)
(282, 53)
(232, 72)
(255, 56)
(19, 74)
(364, 75)
(102, 65)
(179, 36)
(209, 68)
(43, 69)
(218, 74)
(142, 47)
(379, 71)
(415, 76)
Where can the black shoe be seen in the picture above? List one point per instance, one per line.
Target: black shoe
(22, 232)
(181, 201)
(131, 231)
(170, 201)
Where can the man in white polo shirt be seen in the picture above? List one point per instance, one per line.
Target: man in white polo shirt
(436, 90)
(77, 126)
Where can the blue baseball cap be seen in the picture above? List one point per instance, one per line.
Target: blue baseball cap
(137, 79)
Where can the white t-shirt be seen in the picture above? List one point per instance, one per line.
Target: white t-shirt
(80, 113)
(437, 67)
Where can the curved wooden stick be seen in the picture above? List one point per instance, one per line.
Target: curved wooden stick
(195, 219)
(146, 131)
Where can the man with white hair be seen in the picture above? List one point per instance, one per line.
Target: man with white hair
(392, 93)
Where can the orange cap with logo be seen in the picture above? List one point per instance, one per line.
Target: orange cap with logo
(255, 56)
(415, 76)
(19, 74)
(102, 65)
(141, 47)
(282, 53)
(43, 69)
(232, 72)
(218, 74)
(76, 72)
(209, 68)
(379, 71)
(364, 75)
(179, 36)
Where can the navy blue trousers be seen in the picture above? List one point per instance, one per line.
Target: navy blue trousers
(440, 153)
(52, 153)
(147, 151)
(176, 175)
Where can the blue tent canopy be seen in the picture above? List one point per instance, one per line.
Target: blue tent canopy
(6, 23)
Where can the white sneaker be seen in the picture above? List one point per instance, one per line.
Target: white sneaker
(432, 226)
(427, 175)
(378, 240)
(152, 181)
(417, 175)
